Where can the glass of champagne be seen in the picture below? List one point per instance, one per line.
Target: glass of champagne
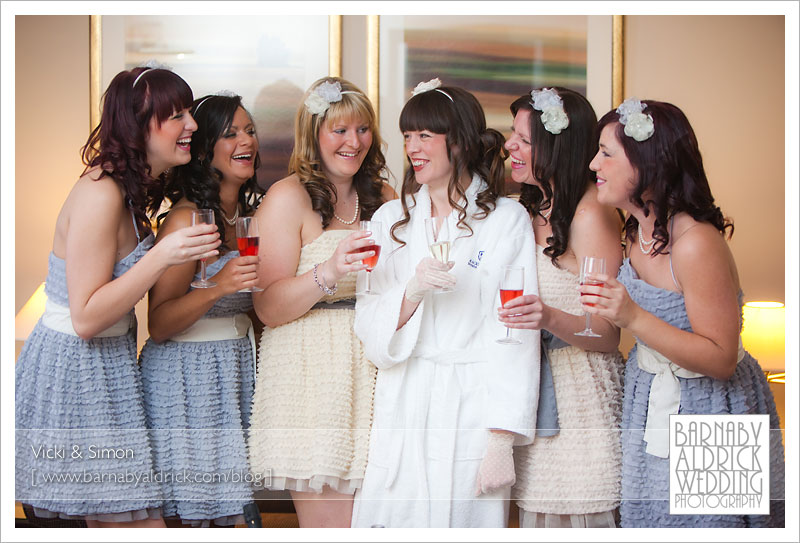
(370, 261)
(436, 231)
(203, 216)
(511, 286)
(591, 265)
(247, 241)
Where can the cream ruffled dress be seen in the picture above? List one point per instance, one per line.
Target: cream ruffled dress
(573, 479)
(312, 408)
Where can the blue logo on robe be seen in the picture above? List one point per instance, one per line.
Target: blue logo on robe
(475, 263)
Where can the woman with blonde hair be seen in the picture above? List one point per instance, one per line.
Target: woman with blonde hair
(312, 407)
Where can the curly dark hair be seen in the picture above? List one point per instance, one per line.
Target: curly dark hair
(459, 116)
(306, 163)
(563, 159)
(669, 167)
(199, 181)
(118, 145)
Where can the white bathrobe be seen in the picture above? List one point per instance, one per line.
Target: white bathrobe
(443, 381)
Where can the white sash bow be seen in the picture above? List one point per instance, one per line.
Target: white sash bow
(665, 395)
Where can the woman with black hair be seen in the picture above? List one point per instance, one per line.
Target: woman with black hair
(678, 293)
(78, 388)
(569, 476)
(450, 402)
(198, 365)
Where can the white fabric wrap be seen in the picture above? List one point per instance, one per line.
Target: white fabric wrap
(665, 395)
(57, 317)
(221, 328)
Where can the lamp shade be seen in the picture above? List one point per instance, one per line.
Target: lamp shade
(763, 333)
(29, 315)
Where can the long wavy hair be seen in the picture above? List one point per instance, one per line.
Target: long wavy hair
(560, 162)
(472, 148)
(306, 161)
(118, 145)
(669, 168)
(199, 181)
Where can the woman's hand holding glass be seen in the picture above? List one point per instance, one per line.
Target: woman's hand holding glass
(512, 286)
(237, 275)
(525, 312)
(430, 274)
(591, 268)
(371, 261)
(348, 257)
(189, 244)
(610, 301)
(438, 236)
(248, 240)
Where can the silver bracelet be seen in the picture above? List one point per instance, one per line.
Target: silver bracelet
(323, 287)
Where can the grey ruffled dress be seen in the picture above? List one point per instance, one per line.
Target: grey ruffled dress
(645, 477)
(197, 398)
(82, 448)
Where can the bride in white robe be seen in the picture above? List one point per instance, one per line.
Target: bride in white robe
(446, 391)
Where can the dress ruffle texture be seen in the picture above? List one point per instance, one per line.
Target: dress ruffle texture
(81, 400)
(645, 478)
(197, 398)
(312, 408)
(577, 471)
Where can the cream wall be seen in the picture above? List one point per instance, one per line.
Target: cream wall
(727, 74)
(52, 123)
(713, 67)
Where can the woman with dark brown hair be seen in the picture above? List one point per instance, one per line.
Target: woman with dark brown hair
(78, 387)
(450, 402)
(569, 476)
(198, 365)
(678, 293)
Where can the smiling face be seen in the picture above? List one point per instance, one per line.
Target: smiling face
(343, 145)
(616, 176)
(235, 150)
(519, 147)
(168, 145)
(428, 154)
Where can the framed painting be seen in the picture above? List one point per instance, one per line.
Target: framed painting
(497, 58)
(269, 60)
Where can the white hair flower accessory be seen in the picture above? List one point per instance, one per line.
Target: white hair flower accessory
(554, 118)
(426, 86)
(638, 125)
(321, 98)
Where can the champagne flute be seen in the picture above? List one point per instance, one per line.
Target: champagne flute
(203, 216)
(247, 240)
(438, 236)
(591, 265)
(370, 261)
(511, 287)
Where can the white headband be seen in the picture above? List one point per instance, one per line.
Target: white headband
(426, 86)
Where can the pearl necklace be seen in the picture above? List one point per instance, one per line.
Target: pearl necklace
(643, 243)
(232, 220)
(341, 220)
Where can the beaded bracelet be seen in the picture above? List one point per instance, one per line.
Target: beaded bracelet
(323, 288)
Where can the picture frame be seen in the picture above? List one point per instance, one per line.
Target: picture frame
(494, 50)
(258, 57)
